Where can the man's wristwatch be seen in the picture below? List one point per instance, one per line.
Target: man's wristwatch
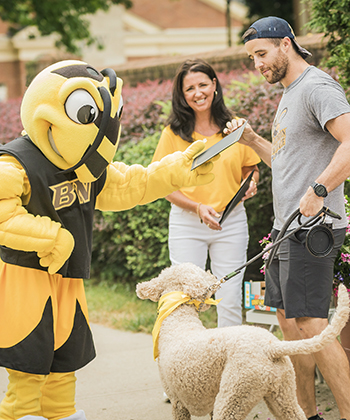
(319, 189)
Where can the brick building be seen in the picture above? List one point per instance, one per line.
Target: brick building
(12, 70)
(155, 30)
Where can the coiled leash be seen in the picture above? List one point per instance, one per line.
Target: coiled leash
(320, 233)
(319, 242)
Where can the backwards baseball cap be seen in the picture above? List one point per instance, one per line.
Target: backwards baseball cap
(275, 27)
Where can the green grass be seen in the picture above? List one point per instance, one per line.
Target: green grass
(117, 306)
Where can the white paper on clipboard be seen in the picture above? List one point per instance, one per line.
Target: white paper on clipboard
(218, 147)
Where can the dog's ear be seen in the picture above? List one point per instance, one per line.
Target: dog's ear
(149, 290)
(196, 282)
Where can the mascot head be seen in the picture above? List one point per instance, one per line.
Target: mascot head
(71, 112)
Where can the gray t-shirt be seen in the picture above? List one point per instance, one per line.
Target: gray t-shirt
(301, 145)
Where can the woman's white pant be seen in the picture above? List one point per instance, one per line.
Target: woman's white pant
(191, 241)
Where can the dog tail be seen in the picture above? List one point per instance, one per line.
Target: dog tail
(317, 343)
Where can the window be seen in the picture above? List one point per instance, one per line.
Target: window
(3, 92)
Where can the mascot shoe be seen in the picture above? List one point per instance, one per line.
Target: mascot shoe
(32, 418)
(79, 415)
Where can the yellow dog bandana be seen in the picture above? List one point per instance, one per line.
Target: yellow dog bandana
(166, 305)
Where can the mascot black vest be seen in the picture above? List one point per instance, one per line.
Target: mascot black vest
(61, 197)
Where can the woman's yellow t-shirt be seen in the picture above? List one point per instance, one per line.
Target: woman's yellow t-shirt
(227, 170)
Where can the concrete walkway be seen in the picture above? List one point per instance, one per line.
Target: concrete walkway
(123, 383)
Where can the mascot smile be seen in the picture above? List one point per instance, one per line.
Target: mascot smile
(51, 181)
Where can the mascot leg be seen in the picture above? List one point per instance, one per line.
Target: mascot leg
(29, 397)
(58, 397)
(23, 396)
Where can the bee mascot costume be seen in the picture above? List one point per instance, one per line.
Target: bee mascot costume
(51, 180)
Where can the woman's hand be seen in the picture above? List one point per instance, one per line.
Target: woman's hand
(207, 214)
(251, 191)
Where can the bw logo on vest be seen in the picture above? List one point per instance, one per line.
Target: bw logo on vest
(65, 193)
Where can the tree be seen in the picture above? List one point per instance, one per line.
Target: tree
(332, 18)
(64, 17)
(259, 9)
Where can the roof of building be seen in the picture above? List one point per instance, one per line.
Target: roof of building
(183, 13)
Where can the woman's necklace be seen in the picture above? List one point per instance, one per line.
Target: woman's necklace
(206, 129)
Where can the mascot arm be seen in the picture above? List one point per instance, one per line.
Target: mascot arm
(128, 186)
(23, 231)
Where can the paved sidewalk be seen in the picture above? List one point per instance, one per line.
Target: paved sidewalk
(123, 383)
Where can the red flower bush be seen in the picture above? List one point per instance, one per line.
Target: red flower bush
(143, 110)
(141, 113)
(10, 121)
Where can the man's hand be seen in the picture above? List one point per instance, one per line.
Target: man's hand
(248, 134)
(310, 203)
(250, 138)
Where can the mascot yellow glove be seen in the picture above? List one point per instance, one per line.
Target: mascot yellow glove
(199, 176)
(128, 186)
(59, 254)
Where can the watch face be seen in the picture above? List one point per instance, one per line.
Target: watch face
(320, 190)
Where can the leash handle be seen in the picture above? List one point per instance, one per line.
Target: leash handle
(307, 223)
(281, 237)
(285, 227)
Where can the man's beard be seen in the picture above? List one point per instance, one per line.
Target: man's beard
(278, 70)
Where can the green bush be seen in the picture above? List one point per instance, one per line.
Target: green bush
(132, 245)
(333, 19)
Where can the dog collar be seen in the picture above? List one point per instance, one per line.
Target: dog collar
(166, 305)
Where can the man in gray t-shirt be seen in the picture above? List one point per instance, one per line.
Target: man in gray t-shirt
(302, 147)
(309, 157)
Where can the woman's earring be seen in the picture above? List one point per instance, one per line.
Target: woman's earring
(215, 93)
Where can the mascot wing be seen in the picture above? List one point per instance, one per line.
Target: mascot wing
(26, 232)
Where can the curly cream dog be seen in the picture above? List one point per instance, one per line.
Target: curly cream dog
(225, 371)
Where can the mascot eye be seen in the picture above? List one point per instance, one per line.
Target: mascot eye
(121, 106)
(81, 107)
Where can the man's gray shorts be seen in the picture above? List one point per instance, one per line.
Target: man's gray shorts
(299, 282)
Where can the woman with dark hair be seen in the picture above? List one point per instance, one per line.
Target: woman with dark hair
(199, 112)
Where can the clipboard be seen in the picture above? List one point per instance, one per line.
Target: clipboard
(218, 147)
(237, 198)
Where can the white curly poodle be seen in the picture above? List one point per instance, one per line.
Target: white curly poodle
(223, 371)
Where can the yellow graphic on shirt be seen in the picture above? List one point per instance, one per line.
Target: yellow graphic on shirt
(65, 194)
(278, 134)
